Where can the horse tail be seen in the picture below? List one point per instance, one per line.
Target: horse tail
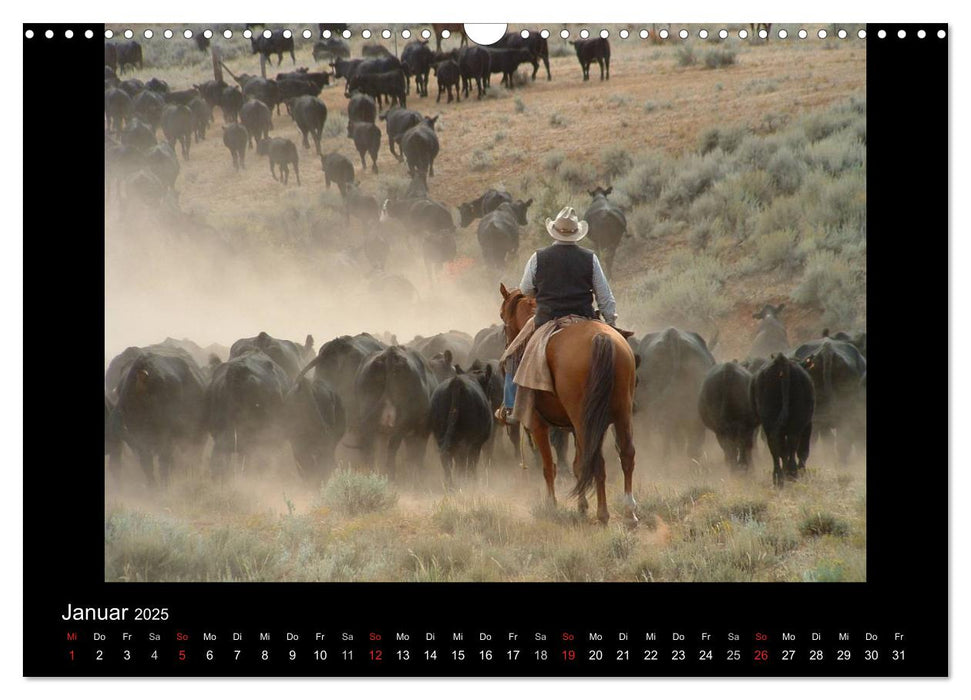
(453, 415)
(596, 408)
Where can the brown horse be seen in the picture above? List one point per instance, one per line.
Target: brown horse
(594, 372)
(453, 29)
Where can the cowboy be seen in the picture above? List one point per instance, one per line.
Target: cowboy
(564, 277)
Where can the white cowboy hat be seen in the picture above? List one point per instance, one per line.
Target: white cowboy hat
(567, 228)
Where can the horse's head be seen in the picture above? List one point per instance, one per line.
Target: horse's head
(516, 309)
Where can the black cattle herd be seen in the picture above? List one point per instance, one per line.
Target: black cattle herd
(361, 398)
(366, 395)
(140, 165)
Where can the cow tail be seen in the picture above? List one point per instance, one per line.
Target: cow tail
(596, 409)
(786, 380)
(453, 416)
(828, 373)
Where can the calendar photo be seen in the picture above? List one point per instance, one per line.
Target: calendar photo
(580, 303)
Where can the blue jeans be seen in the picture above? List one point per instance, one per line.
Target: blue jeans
(509, 387)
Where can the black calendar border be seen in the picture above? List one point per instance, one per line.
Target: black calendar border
(908, 107)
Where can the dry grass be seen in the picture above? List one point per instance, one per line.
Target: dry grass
(713, 167)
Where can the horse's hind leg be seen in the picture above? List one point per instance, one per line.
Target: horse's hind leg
(541, 438)
(624, 434)
(582, 504)
(600, 470)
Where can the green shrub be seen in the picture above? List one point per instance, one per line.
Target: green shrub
(685, 55)
(519, 105)
(645, 180)
(830, 283)
(480, 160)
(720, 57)
(616, 160)
(777, 249)
(554, 159)
(817, 524)
(557, 119)
(785, 170)
(354, 494)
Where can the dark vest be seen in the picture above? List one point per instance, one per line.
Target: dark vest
(564, 282)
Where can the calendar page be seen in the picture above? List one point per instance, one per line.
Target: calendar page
(509, 349)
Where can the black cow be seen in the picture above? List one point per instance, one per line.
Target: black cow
(211, 91)
(157, 85)
(672, 369)
(181, 97)
(608, 225)
(332, 47)
(289, 355)
(375, 50)
(132, 86)
(346, 69)
(310, 114)
(488, 343)
(361, 206)
(319, 79)
(394, 388)
(367, 139)
(129, 55)
(498, 232)
(111, 78)
(159, 409)
(390, 84)
(419, 145)
(507, 62)
(361, 108)
(461, 421)
(442, 366)
(177, 123)
(201, 117)
(837, 369)
(118, 108)
(244, 408)
(235, 138)
(138, 135)
(437, 248)
(857, 339)
(290, 89)
(590, 50)
(494, 392)
(162, 162)
(111, 56)
(202, 41)
(534, 42)
(337, 169)
(783, 397)
(336, 366)
(459, 344)
(420, 214)
(257, 119)
(475, 64)
(725, 406)
(770, 336)
(231, 102)
(479, 207)
(417, 57)
(148, 107)
(448, 75)
(315, 423)
(276, 43)
(398, 120)
(266, 91)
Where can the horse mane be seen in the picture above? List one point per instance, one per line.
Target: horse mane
(510, 302)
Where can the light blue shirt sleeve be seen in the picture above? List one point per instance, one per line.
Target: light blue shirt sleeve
(601, 290)
(528, 284)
